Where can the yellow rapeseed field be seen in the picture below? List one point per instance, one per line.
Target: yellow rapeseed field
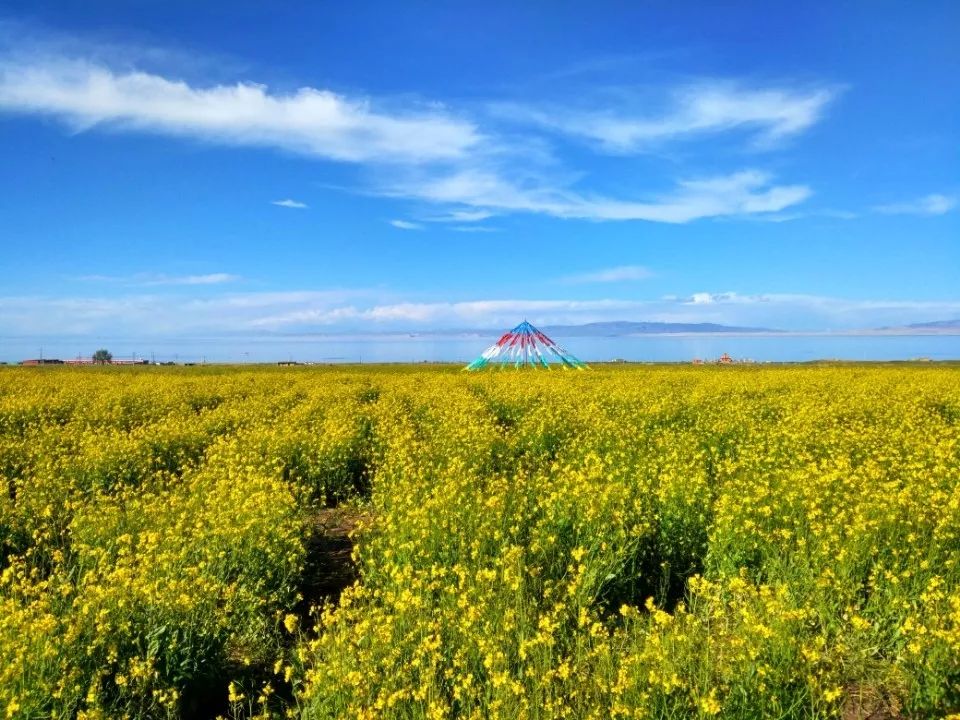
(629, 542)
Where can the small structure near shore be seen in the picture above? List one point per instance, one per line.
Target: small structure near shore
(80, 361)
(41, 361)
(724, 359)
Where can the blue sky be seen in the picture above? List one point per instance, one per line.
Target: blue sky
(171, 169)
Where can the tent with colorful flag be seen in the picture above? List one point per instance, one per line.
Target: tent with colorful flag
(525, 346)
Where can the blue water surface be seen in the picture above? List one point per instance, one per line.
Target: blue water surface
(462, 349)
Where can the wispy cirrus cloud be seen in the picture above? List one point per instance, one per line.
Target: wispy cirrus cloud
(461, 216)
(288, 203)
(465, 169)
(701, 109)
(781, 217)
(621, 273)
(160, 279)
(406, 225)
(474, 229)
(743, 193)
(934, 204)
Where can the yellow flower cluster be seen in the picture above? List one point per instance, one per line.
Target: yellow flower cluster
(632, 542)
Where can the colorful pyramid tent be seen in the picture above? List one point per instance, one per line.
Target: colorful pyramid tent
(525, 346)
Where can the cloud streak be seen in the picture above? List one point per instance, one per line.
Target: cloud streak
(698, 110)
(159, 279)
(935, 204)
(308, 121)
(622, 273)
(361, 310)
(474, 229)
(778, 310)
(406, 225)
(288, 203)
(744, 193)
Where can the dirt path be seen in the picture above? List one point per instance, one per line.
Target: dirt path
(330, 568)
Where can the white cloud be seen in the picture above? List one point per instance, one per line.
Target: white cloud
(697, 110)
(406, 225)
(791, 216)
(309, 121)
(172, 314)
(474, 229)
(744, 193)
(477, 313)
(156, 279)
(428, 153)
(810, 312)
(181, 315)
(774, 310)
(461, 216)
(623, 273)
(706, 298)
(702, 299)
(935, 204)
(209, 279)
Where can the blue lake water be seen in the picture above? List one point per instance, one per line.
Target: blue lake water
(440, 348)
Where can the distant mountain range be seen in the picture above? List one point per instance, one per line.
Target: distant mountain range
(945, 327)
(617, 328)
(625, 327)
(939, 325)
